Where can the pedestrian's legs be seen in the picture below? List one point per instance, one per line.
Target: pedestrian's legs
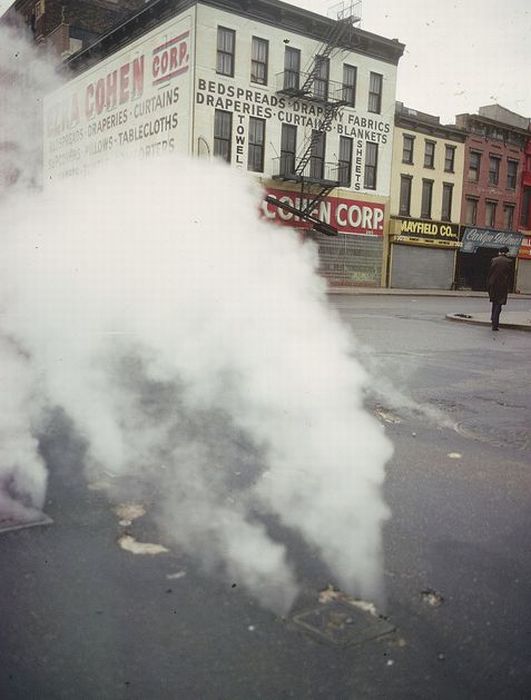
(495, 315)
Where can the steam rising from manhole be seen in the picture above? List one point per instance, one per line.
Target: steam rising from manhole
(175, 328)
(341, 624)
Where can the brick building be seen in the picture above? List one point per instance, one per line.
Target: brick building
(523, 282)
(70, 25)
(494, 161)
(303, 102)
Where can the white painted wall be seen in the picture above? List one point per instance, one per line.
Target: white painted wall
(135, 102)
(258, 100)
(79, 135)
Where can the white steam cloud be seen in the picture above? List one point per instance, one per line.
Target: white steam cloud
(27, 73)
(191, 346)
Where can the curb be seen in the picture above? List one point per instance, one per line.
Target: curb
(481, 322)
(386, 291)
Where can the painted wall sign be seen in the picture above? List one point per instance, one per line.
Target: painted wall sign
(435, 233)
(275, 109)
(135, 102)
(474, 238)
(347, 215)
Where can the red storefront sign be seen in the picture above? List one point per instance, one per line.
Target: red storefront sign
(347, 215)
(525, 249)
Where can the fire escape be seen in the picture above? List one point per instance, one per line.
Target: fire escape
(307, 167)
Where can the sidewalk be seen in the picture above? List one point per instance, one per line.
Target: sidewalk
(520, 320)
(417, 292)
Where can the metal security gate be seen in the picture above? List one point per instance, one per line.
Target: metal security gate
(416, 267)
(349, 260)
(523, 284)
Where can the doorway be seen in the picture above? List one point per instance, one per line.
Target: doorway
(473, 269)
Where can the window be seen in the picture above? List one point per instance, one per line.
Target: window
(512, 170)
(449, 159)
(371, 165)
(405, 195)
(495, 133)
(292, 68)
(446, 210)
(255, 155)
(471, 211)
(288, 148)
(474, 166)
(226, 44)
(407, 149)
(494, 170)
(317, 155)
(525, 218)
(427, 192)
(259, 56)
(222, 134)
(350, 76)
(490, 214)
(345, 161)
(508, 216)
(320, 81)
(429, 154)
(375, 93)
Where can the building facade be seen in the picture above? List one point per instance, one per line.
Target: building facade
(303, 103)
(523, 278)
(426, 186)
(494, 161)
(70, 26)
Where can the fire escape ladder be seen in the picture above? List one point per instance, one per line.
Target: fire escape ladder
(305, 158)
(339, 31)
(338, 35)
(316, 198)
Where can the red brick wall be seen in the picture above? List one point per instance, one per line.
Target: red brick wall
(92, 16)
(482, 190)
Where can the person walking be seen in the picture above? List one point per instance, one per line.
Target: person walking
(498, 282)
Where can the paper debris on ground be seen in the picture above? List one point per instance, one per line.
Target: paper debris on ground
(331, 594)
(129, 544)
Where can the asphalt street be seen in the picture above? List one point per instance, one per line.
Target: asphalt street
(82, 618)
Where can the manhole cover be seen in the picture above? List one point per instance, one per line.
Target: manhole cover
(8, 524)
(343, 625)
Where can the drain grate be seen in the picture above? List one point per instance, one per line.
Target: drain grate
(342, 625)
(9, 524)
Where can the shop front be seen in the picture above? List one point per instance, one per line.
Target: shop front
(422, 253)
(354, 256)
(478, 247)
(523, 275)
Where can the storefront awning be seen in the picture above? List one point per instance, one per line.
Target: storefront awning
(474, 238)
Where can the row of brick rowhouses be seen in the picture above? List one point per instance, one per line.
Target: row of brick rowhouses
(459, 192)
(415, 203)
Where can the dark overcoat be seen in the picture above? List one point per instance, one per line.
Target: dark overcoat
(499, 279)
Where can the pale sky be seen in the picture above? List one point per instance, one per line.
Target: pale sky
(5, 5)
(459, 54)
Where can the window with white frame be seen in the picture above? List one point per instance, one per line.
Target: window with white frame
(350, 76)
(371, 165)
(259, 59)
(225, 51)
(223, 134)
(345, 161)
(255, 156)
(375, 93)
